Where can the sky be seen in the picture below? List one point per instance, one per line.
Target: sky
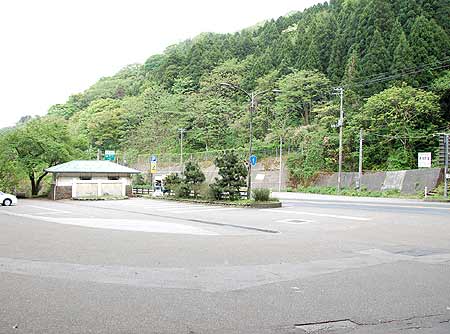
(51, 49)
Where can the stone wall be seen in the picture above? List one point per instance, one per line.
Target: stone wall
(129, 191)
(62, 192)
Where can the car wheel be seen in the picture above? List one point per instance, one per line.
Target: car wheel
(7, 202)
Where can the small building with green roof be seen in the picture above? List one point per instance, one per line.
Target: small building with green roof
(90, 179)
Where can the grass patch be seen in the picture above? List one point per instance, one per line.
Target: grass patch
(356, 193)
(273, 202)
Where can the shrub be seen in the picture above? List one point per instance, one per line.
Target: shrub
(261, 195)
(171, 182)
(233, 174)
(194, 177)
(138, 179)
(182, 190)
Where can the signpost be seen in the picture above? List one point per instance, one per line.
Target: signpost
(253, 160)
(110, 155)
(424, 159)
(153, 161)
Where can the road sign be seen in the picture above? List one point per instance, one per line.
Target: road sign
(153, 167)
(153, 158)
(424, 159)
(253, 160)
(110, 155)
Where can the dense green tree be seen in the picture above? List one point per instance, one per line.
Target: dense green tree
(430, 46)
(402, 58)
(399, 121)
(40, 144)
(299, 91)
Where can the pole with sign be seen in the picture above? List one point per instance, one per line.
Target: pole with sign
(153, 161)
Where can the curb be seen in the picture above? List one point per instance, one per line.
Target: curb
(254, 205)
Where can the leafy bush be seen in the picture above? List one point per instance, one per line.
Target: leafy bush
(261, 195)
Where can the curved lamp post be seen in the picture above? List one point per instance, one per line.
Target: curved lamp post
(252, 96)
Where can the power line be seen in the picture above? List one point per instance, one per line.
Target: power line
(381, 74)
(395, 76)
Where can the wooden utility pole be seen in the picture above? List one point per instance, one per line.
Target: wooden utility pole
(360, 159)
(341, 129)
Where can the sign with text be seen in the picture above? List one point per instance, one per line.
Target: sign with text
(110, 155)
(153, 167)
(253, 160)
(424, 159)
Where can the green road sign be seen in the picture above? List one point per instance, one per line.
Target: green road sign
(110, 155)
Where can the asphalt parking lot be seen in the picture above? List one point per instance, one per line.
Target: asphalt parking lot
(154, 266)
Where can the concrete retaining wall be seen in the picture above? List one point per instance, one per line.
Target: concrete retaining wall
(406, 181)
(263, 175)
(266, 175)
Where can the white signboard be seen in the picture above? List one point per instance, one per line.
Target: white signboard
(424, 159)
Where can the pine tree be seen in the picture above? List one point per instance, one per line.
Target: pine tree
(395, 37)
(402, 58)
(375, 62)
(430, 45)
(353, 67)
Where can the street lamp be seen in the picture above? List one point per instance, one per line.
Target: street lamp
(182, 131)
(252, 96)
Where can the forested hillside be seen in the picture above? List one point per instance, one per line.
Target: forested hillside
(391, 58)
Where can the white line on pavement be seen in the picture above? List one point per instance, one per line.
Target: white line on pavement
(44, 208)
(319, 214)
(123, 224)
(203, 210)
(368, 204)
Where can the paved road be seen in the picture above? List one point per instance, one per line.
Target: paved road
(320, 264)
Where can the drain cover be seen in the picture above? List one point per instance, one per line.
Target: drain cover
(333, 325)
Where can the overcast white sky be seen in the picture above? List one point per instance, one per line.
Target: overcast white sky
(50, 49)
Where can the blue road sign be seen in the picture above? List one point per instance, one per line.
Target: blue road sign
(153, 158)
(253, 160)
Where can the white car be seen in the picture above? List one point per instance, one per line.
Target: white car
(7, 199)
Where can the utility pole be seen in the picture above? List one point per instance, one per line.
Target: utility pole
(341, 129)
(182, 130)
(98, 154)
(281, 164)
(252, 97)
(360, 159)
(249, 176)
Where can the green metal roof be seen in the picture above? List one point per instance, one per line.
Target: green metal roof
(92, 166)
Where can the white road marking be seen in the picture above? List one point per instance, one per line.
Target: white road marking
(369, 204)
(123, 224)
(44, 208)
(184, 208)
(319, 214)
(203, 210)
